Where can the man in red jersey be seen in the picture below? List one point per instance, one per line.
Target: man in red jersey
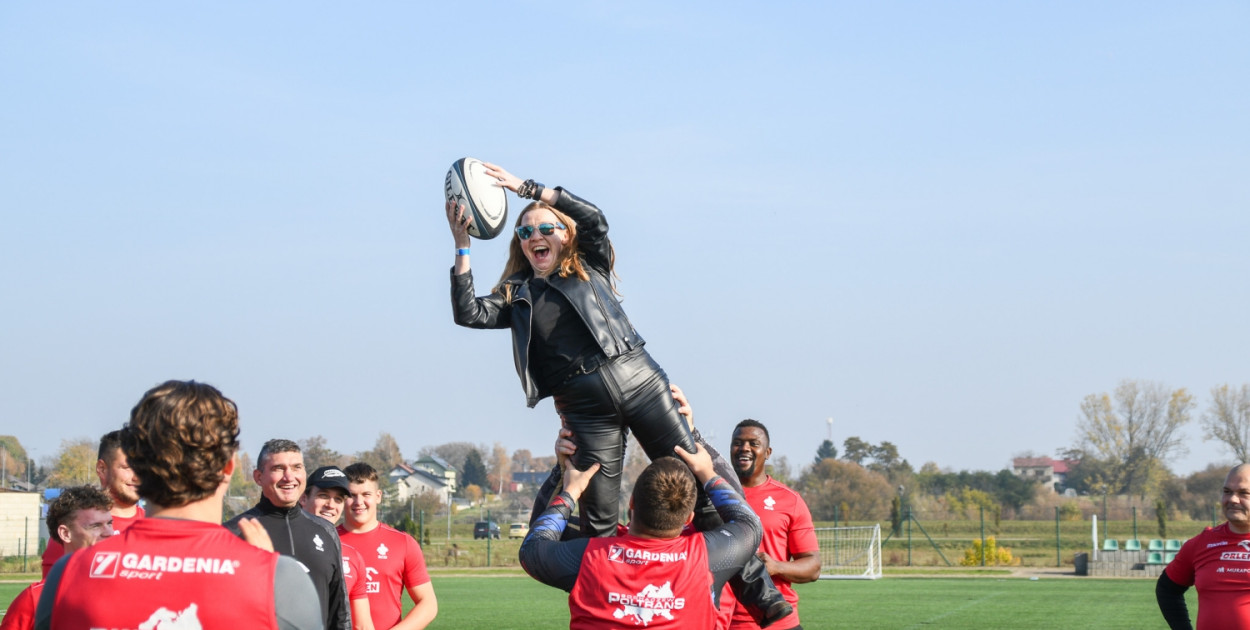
(393, 559)
(118, 480)
(1217, 562)
(77, 519)
(179, 567)
(653, 575)
(789, 550)
(325, 497)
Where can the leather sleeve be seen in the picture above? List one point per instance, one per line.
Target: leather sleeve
(592, 229)
(488, 311)
(1171, 598)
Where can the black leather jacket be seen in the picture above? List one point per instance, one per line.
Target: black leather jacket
(593, 300)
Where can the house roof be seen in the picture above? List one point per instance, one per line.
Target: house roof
(437, 461)
(1060, 466)
(427, 479)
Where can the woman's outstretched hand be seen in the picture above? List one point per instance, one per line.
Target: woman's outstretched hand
(459, 223)
(506, 179)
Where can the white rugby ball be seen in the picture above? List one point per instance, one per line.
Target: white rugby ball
(485, 201)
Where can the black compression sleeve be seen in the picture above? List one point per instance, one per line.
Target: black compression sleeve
(1171, 598)
(732, 544)
(544, 556)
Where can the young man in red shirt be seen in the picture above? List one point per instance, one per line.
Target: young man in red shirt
(179, 567)
(118, 480)
(325, 497)
(1217, 563)
(653, 576)
(789, 550)
(393, 559)
(77, 519)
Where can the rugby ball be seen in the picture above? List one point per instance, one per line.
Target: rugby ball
(485, 201)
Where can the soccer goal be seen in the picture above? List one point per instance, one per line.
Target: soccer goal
(850, 553)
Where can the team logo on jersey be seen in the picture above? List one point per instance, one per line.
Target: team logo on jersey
(104, 564)
(166, 619)
(382, 549)
(629, 555)
(1245, 544)
(152, 567)
(347, 567)
(650, 602)
(317, 541)
(1217, 544)
(769, 502)
(372, 585)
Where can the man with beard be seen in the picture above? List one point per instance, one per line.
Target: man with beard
(119, 482)
(1215, 561)
(789, 549)
(280, 474)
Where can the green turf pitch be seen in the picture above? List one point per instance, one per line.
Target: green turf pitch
(893, 602)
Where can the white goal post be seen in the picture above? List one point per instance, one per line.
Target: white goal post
(850, 553)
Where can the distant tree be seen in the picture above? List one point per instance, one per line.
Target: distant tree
(825, 451)
(833, 481)
(454, 453)
(1135, 432)
(522, 460)
(1228, 419)
(318, 454)
(473, 471)
(779, 470)
(14, 457)
(886, 460)
(473, 493)
(75, 463)
(856, 450)
(384, 456)
(499, 469)
(896, 515)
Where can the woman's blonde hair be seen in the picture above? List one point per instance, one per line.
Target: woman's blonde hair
(569, 264)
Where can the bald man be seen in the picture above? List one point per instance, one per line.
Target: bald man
(1217, 562)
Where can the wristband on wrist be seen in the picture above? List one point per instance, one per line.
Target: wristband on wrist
(530, 189)
(462, 251)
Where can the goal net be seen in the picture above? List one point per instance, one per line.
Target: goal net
(850, 553)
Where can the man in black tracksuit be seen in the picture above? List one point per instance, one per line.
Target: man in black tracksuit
(310, 540)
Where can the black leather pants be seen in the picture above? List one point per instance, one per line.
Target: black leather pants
(630, 393)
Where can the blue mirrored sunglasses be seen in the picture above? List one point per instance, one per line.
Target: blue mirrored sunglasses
(546, 229)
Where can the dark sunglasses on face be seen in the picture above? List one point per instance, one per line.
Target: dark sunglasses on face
(546, 229)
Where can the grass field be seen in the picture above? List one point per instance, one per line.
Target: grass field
(502, 600)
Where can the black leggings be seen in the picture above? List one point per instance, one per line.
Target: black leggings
(601, 408)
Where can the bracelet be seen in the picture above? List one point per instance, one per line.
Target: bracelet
(530, 189)
(462, 251)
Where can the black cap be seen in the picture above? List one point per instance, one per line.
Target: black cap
(329, 477)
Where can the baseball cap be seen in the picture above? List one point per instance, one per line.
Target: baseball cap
(329, 477)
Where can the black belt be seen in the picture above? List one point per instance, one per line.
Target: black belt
(589, 365)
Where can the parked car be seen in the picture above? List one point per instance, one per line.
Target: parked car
(518, 530)
(486, 529)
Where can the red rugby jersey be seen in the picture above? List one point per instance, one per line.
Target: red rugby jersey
(353, 573)
(1217, 562)
(630, 582)
(21, 613)
(788, 531)
(393, 562)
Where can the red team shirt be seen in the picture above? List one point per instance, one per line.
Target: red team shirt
(393, 562)
(1217, 562)
(55, 550)
(788, 531)
(21, 615)
(168, 573)
(353, 573)
(643, 582)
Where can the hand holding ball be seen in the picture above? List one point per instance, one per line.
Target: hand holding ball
(485, 201)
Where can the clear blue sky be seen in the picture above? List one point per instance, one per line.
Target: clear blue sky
(939, 224)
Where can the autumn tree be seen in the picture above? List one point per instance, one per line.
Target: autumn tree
(499, 470)
(1228, 419)
(317, 454)
(14, 458)
(1134, 430)
(74, 463)
(834, 482)
(384, 456)
(522, 460)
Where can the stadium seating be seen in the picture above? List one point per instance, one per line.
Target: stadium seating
(1155, 545)
(1132, 544)
(1167, 558)
(1155, 557)
(1110, 544)
(1173, 545)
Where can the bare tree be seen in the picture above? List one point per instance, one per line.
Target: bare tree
(1228, 419)
(317, 454)
(499, 468)
(1134, 431)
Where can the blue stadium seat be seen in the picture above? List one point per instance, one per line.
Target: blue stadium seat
(1173, 545)
(1155, 545)
(1132, 544)
(1110, 544)
(1155, 557)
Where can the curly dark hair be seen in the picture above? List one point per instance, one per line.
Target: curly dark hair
(179, 439)
(664, 494)
(66, 507)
